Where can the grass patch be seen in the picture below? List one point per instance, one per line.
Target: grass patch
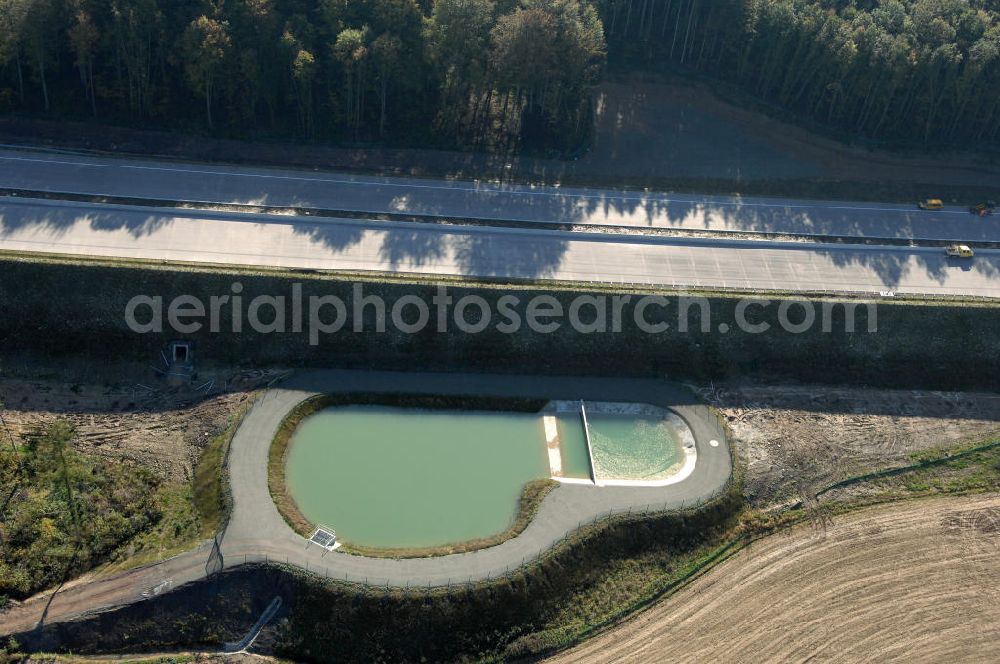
(175, 531)
(932, 464)
(531, 495)
(188, 511)
(916, 344)
(957, 472)
(211, 491)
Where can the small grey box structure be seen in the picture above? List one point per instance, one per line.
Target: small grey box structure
(325, 537)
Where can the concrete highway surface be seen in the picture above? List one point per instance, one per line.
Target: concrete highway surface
(484, 251)
(178, 181)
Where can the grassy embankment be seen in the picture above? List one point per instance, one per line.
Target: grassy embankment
(530, 500)
(917, 344)
(190, 511)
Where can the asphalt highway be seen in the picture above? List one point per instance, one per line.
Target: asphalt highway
(179, 181)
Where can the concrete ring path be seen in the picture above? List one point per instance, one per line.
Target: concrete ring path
(257, 531)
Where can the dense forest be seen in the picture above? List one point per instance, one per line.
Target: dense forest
(496, 74)
(460, 72)
(922, 72)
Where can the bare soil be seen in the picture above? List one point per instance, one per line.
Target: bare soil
(913, 582)
(142, 421)
(796, 439)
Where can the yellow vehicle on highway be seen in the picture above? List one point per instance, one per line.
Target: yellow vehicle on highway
(931, 204)
(960, 251)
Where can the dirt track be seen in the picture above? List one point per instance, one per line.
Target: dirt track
(918, 582)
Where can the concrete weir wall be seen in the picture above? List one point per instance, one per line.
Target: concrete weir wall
(59, 308)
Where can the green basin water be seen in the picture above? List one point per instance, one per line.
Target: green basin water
(633, 448)
(573, 446)
(391, 477)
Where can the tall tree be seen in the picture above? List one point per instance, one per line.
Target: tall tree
(13, 14)
(385, 53)
(40, 29)
(83, 37)
(547, 54)
(457, 36)
(137, 30)
(204, 47)
(259, 66)
(351, 50)
(303, 69)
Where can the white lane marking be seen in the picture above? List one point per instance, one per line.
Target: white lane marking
(55, 161)
(493, 189)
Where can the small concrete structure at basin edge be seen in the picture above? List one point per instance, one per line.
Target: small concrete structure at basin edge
(256, 530)
(637, 444)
